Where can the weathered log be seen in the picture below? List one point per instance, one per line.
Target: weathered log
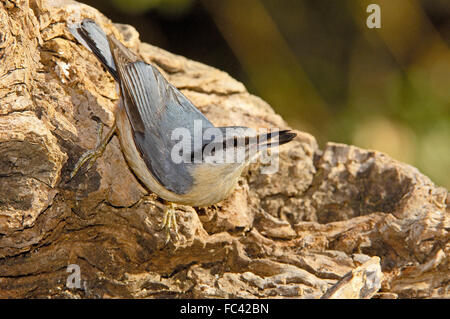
(360, 283)
(295, 233)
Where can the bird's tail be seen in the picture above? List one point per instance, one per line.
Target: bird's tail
(90, 35)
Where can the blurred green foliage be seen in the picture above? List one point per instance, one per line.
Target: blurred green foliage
(324, 71)
(169, 7)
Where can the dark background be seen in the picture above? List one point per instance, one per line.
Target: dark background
(318, 64)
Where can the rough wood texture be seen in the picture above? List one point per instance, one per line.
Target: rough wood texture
(292, 234)
(360, 283)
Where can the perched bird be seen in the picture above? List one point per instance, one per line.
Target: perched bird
(150, 111)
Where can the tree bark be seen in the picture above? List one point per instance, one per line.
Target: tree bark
(295, 233)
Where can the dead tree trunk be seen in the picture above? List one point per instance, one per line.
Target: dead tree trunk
(295, 233)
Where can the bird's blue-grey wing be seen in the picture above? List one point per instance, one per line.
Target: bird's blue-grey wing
(159, 108)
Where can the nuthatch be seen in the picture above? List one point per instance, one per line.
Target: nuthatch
(149, 111)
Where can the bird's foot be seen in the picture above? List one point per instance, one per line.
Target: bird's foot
(91, 156)
(170, 223)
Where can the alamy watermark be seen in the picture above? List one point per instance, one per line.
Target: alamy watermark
(74, 279)
(374, 19)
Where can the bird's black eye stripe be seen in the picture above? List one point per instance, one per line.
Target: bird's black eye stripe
(236, 141)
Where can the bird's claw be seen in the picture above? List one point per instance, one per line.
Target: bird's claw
(170, 223)
(91, 156)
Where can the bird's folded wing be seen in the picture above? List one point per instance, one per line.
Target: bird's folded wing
(157, 109)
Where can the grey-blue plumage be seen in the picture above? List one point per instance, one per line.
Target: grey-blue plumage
(160, 109)
(92, 37)
(154, 109)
